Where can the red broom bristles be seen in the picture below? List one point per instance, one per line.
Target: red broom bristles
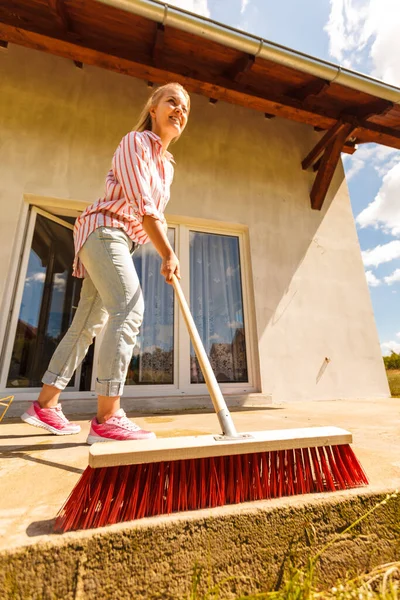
(115, 494)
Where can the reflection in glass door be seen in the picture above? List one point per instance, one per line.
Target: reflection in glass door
(153, 357)
(217, 306)
(49, 297)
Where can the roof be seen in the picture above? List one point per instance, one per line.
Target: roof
(157, 43)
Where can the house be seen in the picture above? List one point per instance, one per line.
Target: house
(259, 214)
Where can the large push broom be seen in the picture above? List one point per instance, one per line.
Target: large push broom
(134, 479)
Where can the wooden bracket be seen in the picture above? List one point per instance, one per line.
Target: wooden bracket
(241, 67)
(328, 164)
(350, 147)
(323, 143)
(158, 46)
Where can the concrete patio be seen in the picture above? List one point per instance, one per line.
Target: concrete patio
(37, 472)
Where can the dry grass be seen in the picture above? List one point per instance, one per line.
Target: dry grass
(382, 583)
(393, 376)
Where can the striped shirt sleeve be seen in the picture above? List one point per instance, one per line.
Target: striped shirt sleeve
(131, 168)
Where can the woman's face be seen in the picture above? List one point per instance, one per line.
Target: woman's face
(170, 115)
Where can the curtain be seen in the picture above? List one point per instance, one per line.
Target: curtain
(217, 306)
(153, 357)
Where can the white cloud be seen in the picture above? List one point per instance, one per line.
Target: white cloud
(213, 337)
(199, 7)
(384, 159)
(381, 254)
(360, 28)
(36, 278)
(389, 347)
(235, 325)
(244, 6)
(352, 165)
(393, 278)
(371, 279)
(380, 158)
(60, 281)
(384, 211)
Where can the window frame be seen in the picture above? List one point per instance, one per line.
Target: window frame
(182, 387)
(184, 225)
(33, 212)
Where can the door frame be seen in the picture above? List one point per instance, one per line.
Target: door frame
(16, 300)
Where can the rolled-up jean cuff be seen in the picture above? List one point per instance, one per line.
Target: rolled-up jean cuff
(59, 382)
(109, 387)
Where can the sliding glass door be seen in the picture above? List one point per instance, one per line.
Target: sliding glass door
(163, 361)
(48, 296)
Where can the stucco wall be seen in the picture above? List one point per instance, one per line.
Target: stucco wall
(316, 332)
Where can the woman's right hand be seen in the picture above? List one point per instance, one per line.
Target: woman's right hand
(169, 267)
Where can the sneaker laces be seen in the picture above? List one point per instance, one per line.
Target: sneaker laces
(124, 421)
(60, 414)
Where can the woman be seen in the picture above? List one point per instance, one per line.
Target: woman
(130, 213)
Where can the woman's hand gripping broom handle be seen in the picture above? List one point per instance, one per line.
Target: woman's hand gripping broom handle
(223, 414)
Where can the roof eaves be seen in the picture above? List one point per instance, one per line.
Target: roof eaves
(258, 47)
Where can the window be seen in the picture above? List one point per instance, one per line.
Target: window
(217, 306)
(215, 274)
(49, 297)
(153, 357)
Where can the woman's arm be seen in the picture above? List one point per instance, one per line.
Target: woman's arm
(157, 234)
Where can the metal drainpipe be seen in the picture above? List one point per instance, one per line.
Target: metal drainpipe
(227, 36)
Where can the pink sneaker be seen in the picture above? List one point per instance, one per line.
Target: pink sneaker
(52, 419)
(117, 428)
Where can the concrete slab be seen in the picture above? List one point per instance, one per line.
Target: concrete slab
(37, 470)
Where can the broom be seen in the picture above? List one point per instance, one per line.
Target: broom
(134, 479)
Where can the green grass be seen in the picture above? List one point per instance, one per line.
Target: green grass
(382, 583)
(393, 376)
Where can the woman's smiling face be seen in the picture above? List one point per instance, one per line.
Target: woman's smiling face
(170, 116)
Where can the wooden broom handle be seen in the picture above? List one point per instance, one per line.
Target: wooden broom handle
(211, 381)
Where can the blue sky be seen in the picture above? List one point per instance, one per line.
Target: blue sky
(363, 35)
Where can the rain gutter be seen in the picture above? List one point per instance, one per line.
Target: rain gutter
(258, 47)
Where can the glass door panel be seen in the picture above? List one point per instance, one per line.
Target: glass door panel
(217, 306)
(153, 357)
(49, 297)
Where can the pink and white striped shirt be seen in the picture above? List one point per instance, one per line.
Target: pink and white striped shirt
(137, 184)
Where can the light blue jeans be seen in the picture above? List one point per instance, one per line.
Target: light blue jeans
(111, 297)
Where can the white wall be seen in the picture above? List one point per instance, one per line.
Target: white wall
(59, 127)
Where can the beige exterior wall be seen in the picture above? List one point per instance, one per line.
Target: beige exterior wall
(315, 327)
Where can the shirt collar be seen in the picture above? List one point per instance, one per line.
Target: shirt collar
(156, 138)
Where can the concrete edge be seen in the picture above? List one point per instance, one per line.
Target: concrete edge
(244, 549)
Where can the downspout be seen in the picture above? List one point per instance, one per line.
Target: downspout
(232, 38)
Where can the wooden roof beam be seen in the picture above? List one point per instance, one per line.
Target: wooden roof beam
(158, 47)
(376, 108)
(349, 147)
(218, 88)
(60, 14)
(328, 165)
(313, 88)
(322, 144)
(240, 68)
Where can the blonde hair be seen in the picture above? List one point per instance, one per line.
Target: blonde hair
(144, 123)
